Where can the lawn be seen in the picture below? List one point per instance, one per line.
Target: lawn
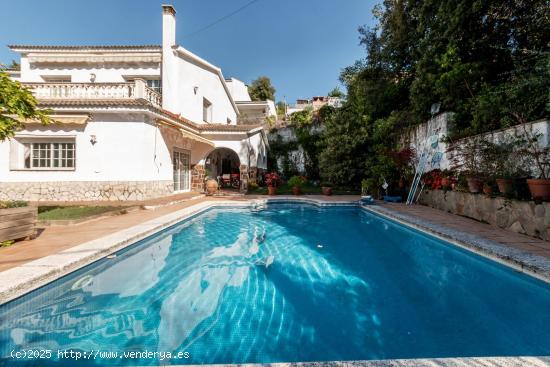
(307, 189)
(73, 212)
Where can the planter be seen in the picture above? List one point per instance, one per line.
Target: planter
(326, 190)
(505, 185)
(272, 190)
(296, 190)
(446, 183)
(487, 189)
(475, 185)
(211, 187)
(16, 223)
(540, 189)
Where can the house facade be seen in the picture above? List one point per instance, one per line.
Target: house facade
(131, 123)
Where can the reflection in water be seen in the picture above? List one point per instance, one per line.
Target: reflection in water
(285, 284)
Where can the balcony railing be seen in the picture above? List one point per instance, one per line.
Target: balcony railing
(83, 91)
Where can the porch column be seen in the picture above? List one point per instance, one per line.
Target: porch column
(244, 177)
(197, 177)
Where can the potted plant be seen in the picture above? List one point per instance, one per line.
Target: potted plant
(326, 188)
(296, 182)
(446, 179)
(272, 180)
(468, 159)
(539, 156)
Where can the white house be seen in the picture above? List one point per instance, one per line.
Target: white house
(250, 111)
(132, 122)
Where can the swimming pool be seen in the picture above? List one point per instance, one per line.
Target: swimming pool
(289, 282)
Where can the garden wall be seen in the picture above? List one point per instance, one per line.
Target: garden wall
(524, 217)
(442, 123)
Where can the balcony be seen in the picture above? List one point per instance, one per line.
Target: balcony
(95, 91)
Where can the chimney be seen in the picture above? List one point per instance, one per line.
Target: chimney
(168, 26)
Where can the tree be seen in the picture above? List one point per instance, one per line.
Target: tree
(14, 65)
(17, 103)
(486, 61)
(336, 92)
(261, 89)
(281, 108)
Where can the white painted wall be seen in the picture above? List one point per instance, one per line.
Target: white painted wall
(187, 79)
(238, 90)
(252, 148)
(179, 94)
(32, 73)
(125, 151)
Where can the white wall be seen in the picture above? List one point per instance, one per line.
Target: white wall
(238, 90)
(125, 151)
(81, 74)
(179, 94)
(252, 148)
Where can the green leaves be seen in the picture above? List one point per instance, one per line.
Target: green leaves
(17, 103)
(261, 89)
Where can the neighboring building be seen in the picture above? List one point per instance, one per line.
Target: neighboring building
(133, 122)
(251, 112)
(315, 103)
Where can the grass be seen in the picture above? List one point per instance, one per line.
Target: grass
(307, 189)
(72, 212)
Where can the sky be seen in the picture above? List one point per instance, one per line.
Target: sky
(302, 45)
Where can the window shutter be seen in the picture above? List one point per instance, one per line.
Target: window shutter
(14, 154)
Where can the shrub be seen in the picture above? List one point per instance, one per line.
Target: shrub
(12, 204)
(272, 179)
(296, 181)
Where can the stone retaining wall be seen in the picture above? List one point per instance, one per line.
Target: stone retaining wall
(85, 190)
(524, 217)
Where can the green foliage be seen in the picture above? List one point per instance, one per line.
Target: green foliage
(7, 243)
(74, 212)
(16, 103)
(302, 118)
(336, 92)
(486, 61)
(14, 65)
(261, 89)
(13, 204)
(281, 108)
(296, 181)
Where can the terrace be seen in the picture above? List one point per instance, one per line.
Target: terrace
(136, 90)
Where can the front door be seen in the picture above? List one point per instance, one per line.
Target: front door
(181, 170)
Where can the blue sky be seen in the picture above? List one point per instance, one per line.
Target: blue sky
(300, 44)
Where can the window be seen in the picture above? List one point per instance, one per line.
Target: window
(206, 110)
(47, 155)
(155, 84)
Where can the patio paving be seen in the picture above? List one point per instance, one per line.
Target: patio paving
(456, 222)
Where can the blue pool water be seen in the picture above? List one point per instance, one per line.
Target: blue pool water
(344, 284)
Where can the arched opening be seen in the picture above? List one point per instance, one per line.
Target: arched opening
(223, 164)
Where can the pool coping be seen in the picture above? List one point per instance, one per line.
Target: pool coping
(521, 361)
(35, 274)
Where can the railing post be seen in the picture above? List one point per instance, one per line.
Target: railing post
(139, 90)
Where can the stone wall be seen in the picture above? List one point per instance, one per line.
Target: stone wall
(198, 174)
(524, 217)
(85, 190)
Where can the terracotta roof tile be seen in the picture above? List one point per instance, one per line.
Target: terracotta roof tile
(85, 47)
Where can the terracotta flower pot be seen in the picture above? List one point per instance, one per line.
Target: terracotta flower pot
(475, 185)
(505, 185)
(487, 189)
(296, 190)
(272, 190)
(211, 187)
(540, 189)
(326, 190)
